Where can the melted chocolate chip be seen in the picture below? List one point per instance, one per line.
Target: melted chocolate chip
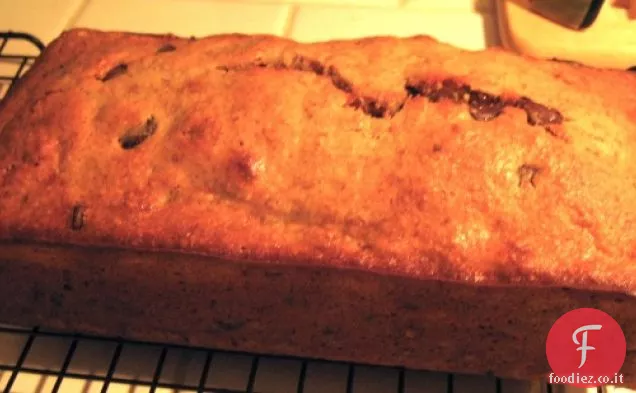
(451, 90)
(167, 48)
(369, 106)
(435, 92)
(633, 69)
(116, 71)
(339, 81)
(137, 135)
(527, 174)
(77, 218)
(539, 115)
(303, 63)
(484, 106)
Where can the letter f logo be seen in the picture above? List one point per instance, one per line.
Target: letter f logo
(583, 344)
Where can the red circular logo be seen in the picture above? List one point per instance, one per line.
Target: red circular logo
(586, 348)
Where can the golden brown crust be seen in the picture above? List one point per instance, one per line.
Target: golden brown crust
(402, 156)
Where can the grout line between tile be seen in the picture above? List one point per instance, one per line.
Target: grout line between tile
(76, 15)
(289, 23)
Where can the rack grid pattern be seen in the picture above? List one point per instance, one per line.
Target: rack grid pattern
(14, 65)
(63, 362)
(34, 360)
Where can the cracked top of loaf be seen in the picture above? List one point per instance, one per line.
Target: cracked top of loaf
(394, 155)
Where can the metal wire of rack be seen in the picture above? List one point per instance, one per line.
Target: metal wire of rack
(37, 360)
(14, 65)
(106, 364)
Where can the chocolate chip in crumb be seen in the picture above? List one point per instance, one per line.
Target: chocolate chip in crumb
(537, 114)
(328, 331)
(77, 218)
(454, 91)
(484, 106)
(116, 71)
(527, 174)
(167, 48)
(229, 325)
(137, 135)
(369, 106)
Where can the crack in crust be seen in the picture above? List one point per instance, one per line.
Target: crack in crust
(482, 105)
(370, 106)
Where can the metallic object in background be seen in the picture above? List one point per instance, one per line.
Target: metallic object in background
(573, 14)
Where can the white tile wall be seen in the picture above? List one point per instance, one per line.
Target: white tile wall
(43, 18)
(185, 17)
(459, 27)
(466, 23)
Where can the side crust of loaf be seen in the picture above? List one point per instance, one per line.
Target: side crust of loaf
(344, 315)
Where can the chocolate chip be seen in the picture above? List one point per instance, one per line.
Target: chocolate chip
(537, 114)
(454, 91)
(77, 218)
(369, 106)
(229, 326)
(437, 148)
(116, 71)
(339, 81)
(303, 63)
(167, 48)
(137, 135)
(446, 89)
(242, 164)
(632, 68)
(328, 331)
(484, 106)
(527, 174)
(424, 89)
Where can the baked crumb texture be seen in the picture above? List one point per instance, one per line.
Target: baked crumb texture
(468, 182)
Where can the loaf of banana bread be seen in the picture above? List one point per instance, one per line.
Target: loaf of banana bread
(393, 201)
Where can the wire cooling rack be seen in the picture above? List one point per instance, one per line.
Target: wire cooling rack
(34, 360)
(17, 53)
(57, 362)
